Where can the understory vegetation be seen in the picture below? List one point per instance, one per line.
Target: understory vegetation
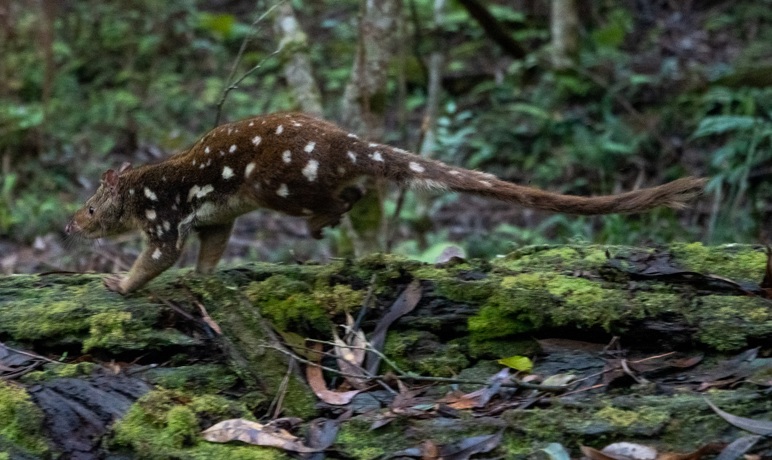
(656, 93)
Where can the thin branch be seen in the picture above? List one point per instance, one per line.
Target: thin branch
(237, 61)
(515, 382)
(493, 28)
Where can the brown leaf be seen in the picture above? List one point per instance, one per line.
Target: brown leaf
(208, 319)
(319, 387)
(256, 434)
(350, 357)
(404, 304)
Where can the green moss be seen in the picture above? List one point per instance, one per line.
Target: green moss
(21, 422)
(553, 258)
(53, 371)
(200, 378)
(640, 421)
(339, 298)
(356, 439)
(167, 424)
(421, 352)
(736, 262)
(530, 300)
(289, 304)
(108, 328)
(727, 323)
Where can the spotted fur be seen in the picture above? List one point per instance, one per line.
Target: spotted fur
(300, 166)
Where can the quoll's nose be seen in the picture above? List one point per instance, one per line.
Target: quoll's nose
(71, 227)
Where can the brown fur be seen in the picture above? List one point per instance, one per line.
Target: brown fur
(300, 166)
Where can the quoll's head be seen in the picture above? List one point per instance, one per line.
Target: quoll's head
(102, 214)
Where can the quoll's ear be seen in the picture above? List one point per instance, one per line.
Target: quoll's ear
(110, 179)
(124, 167)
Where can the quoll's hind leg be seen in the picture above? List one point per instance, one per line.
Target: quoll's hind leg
(214, 240)
(333, 210)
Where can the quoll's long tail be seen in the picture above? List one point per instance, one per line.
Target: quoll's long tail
(419, 172)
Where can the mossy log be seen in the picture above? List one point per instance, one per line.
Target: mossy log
(189, 351)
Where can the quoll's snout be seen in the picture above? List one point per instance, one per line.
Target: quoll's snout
(71, 228)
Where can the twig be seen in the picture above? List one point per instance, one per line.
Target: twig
(237, 61)
(515, 383)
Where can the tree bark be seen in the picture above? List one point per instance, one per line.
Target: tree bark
(196, 350)
(297, 64)
(564, 28)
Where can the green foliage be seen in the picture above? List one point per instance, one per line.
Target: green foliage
(146, 73)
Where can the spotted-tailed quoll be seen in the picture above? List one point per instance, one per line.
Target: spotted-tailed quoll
(300, 166)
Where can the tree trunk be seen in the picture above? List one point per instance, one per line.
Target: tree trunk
(297, 65)
(564, 28)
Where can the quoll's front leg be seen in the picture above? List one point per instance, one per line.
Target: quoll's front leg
(214, 240)
(153, 261)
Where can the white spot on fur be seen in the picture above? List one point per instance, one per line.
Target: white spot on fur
(193, 162)
(372, 144)
(205, 210)
(341, 170)
(150, 214)
(402, 151)
(309, 147)
(167, 225)
(202, 166)
(159, 229)
(230, 130)
(131, 191)
(150, 194)
(295, 123)
(282, 191)
(352, 156)
(376, 156)
(310, 170)
(280, 129)
(286, 156)
(227, 172)
(248, 170)
(256, 140)
(207, 149)
(353, 135)
(454, 172)
(486, 183)
(251, 123)
(232, 148)
(306, 211)
(416, 167)
(200, 192)
(157, 254)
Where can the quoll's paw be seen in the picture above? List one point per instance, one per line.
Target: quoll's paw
(113, 283)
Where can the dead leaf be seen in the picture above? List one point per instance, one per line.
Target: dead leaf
(256, 434)
(461, 450)
(208, 319)
(465, 448)
(316, 382)
(630, 450)
(403, 305)
(762, 427)
(595, 454)
(707, 449)
(350, 356)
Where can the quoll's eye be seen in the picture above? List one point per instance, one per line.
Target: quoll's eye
(91, 210)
